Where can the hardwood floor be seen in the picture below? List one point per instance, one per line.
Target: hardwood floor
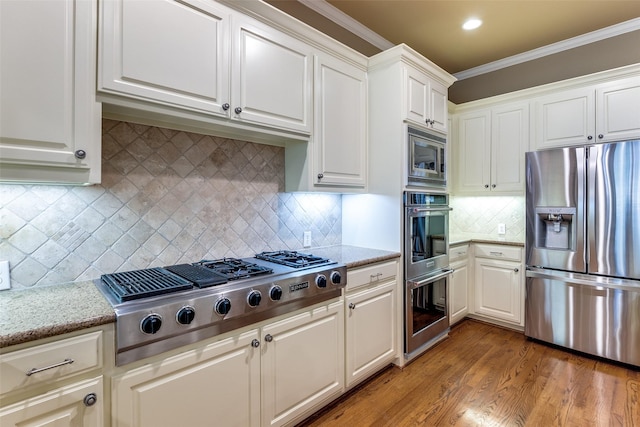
(484, 375)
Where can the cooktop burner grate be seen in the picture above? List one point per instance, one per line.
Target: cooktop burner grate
(234, 269)
(132, 285)
(293, 259)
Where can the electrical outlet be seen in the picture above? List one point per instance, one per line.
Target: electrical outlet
(502, 229)
(307, 239)
(5, 281)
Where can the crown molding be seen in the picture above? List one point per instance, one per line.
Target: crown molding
(581, 40)
(348, 23)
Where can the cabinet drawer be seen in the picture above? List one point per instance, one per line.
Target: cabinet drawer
(458, 253)
(52, 361)
(512, 253)
(375, 273)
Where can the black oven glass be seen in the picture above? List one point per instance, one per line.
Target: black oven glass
(429, 304)
(428, 237)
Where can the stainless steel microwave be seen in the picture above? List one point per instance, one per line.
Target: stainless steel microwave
(426, 159)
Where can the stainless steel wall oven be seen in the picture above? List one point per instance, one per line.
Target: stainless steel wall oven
(426, 269)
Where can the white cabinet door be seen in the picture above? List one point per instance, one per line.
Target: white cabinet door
(371, 331)
(490, 149)
(215, 385)
(618, 110)
(426, 100)
(458, 292)
(340, 135)
(175, 53)
(76, 405)
(509, 142)
(473, 147)
(271, 77)
(565, 118)
(302, 363)
(50, 122)
(498, 289)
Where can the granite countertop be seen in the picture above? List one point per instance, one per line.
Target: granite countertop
(457, 239)
(41, 312)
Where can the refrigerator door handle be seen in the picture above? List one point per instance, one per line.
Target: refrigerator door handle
(584, 279)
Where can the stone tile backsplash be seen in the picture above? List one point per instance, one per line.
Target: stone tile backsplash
(166, 197)
(478, 217)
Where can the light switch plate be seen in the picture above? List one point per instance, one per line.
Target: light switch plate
(502, 229)
(307, 239)
(5, 281)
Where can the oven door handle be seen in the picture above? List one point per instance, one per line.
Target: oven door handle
(412, 284)
(420, 210)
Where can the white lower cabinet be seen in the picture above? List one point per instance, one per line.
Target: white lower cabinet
(268, 376)
(458, 283)
(78, 405)
(371, 320)
(57, 383)
(499, 284)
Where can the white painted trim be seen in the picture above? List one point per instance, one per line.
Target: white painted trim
(348, 23)
(584, 39)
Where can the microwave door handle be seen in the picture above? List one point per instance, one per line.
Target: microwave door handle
(413, 284)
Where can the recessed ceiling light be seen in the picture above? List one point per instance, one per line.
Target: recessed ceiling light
(471, 24)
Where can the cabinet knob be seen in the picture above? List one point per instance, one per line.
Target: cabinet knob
(90, 399)
(225, 106)
(255, 343)
(515, 270)
(80, 154)
(590, 137)
(238, 110)
(486, 186)
(352, 306)
(320, 175)
(600, 136)
(268, 338)
(493, 186)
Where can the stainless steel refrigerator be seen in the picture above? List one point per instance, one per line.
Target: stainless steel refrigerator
(583, 249)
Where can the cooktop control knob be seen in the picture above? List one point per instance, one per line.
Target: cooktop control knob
(336, 278)
(254, 298)
(275, 293)
(223, 306)
(185, 315)
(321, 281)
(151, 324)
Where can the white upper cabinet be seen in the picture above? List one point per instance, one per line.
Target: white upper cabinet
(489, 151)
(598, 113)
(50, 121)
(166, 51)
(426, 100)
(340, 134)
(203, 57)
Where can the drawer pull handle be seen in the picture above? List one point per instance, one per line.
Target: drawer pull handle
(495, 253)
(376, 276)
(36, 370)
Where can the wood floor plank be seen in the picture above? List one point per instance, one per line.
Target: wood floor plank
(484, 375)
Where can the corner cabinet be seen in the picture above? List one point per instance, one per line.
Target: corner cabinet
(499, 283)
(202, 57)
(50, 121)
(489, 151)
(426, 100)
(598, 113)
(371, 320)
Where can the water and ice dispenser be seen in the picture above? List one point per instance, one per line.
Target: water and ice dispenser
(555, 228)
